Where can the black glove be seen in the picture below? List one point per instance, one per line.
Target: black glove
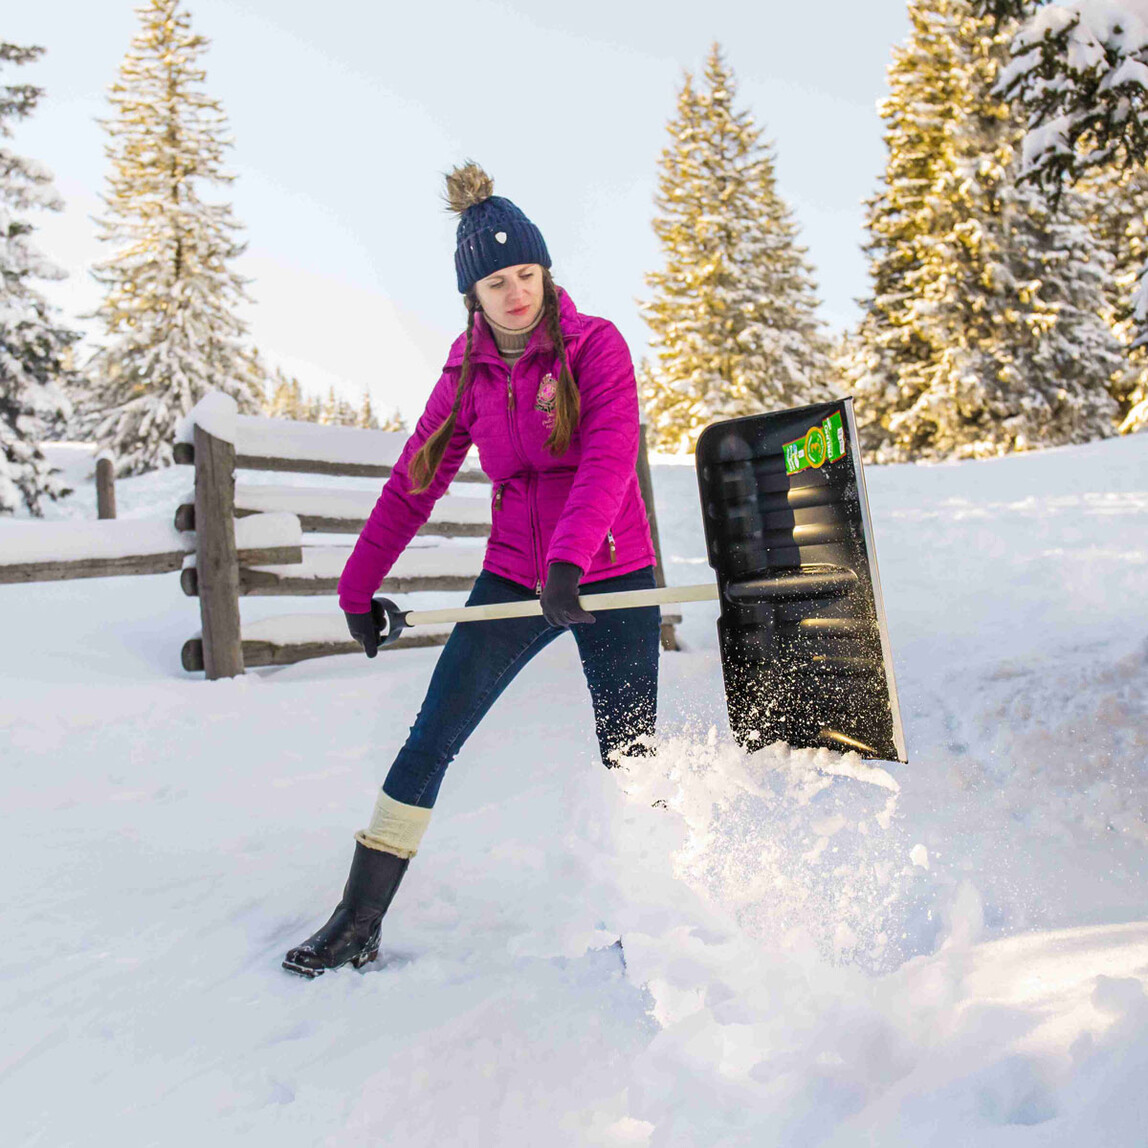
(560, 596)
(365, 629)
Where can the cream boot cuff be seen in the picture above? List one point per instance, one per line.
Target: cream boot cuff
(395, 827)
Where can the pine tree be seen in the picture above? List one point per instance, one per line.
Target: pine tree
(1121, 229)
(394, 422)
(169, 310)
(281, 395)
(985, 331)
(336, 411)
(34, 345)
(733, 312)
(366, 418)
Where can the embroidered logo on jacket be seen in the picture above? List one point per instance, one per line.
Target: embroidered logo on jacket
(547, 399)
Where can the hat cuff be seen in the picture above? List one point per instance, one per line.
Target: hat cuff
(480, 254)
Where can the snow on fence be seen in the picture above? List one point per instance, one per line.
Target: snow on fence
(218, 441)
(57, 551)
(261, 443)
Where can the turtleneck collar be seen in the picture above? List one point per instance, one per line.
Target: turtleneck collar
(511, 344)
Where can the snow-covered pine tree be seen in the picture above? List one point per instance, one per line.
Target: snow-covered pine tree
(733, 314)
(169, 310)
(370, 421)
(1076, 77)
(34, 344)
(393, 422)
(1121, 228)
(367, 419)
(985, 332)
(281, 395)
(337, 411)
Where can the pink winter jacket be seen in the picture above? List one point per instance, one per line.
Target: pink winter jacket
(582, 507)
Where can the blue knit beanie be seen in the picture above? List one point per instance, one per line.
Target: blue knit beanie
(492, 232)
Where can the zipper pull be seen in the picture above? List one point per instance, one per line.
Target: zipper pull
(498, 495)
(538, 588)
(613, 553)
(509, 390)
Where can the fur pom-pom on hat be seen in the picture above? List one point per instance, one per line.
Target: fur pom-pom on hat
(467, 186)
(492, 232)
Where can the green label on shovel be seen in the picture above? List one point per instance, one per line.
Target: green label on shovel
(821, 444)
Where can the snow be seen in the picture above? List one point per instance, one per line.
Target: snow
(216, 413)
(297, 629)
(257, 436)
(260, 437)
(71, 541)
(350, 504)
(288, 438)
(422, 562)
(791, 976)
(260, 531)
(22, 542)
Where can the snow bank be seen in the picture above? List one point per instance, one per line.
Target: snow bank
(793, 974)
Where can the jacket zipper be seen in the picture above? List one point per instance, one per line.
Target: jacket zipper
(529, 480)
(530, 493)
(613, 552)
(498, 495)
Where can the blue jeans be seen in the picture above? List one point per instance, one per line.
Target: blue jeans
(619, 655)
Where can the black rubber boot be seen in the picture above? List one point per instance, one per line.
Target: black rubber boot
(351, 936)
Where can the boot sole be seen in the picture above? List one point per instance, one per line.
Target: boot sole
(311, 973)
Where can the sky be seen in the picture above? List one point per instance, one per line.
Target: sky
(345, 116)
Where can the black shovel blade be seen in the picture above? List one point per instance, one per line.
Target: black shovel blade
(804, 647)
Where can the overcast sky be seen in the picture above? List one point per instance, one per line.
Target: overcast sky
(345, 115)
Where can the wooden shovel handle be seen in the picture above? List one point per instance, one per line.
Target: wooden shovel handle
(621, 600)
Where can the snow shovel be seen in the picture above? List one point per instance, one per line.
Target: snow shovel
(804, 647)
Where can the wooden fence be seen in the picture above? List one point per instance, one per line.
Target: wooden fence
(220, 576)
(231, 540)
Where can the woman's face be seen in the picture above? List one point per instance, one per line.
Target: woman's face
(512, 297)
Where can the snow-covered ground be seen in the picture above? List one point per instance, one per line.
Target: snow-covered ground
(951, 952)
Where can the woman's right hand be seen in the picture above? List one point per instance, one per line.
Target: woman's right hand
(365, 630)
(560, 605)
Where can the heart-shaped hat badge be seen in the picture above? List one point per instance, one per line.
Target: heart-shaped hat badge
(500, 236)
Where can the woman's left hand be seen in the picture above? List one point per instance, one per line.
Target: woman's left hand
(560, 596)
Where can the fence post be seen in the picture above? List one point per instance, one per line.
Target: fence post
(216, 563)
(646, 486)
(105, 485)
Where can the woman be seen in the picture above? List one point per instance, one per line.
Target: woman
(548, 397)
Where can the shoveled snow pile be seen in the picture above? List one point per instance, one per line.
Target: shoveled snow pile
(818, 951)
